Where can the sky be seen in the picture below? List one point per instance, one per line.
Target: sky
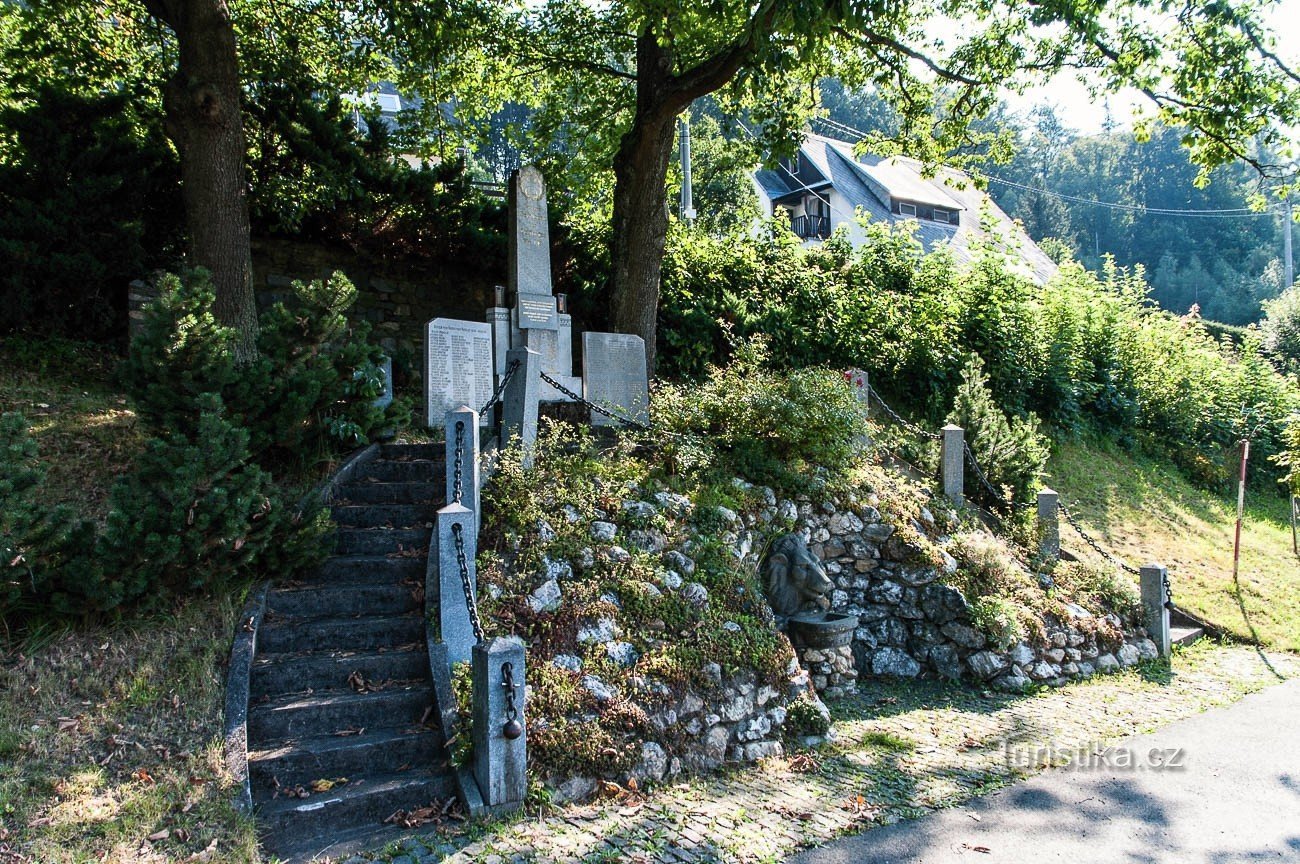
(1075, 107)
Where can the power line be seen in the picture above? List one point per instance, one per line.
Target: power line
(1234, 213)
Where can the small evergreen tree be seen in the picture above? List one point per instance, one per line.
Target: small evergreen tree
(1011, 452)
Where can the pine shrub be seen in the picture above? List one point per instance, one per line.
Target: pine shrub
(1011, 452)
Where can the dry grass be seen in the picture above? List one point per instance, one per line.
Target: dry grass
(111, 736)
(86, 433)
(1143, 510)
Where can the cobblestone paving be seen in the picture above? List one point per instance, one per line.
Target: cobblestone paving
(902, 749)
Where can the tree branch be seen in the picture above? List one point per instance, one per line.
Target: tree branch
(712, 73)
(894, 45)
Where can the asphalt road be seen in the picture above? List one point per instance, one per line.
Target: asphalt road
(1220, 787)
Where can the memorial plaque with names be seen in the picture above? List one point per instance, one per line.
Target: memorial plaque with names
(529, 242)
(614, 376)
(537, 312)
(458, 355)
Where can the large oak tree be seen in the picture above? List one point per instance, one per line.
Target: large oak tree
(617, 74)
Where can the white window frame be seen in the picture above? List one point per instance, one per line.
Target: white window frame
(904, 206)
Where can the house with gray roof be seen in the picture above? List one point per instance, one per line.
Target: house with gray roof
(827, 186)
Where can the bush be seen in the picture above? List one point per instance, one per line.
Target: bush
(89, 200)
(1011, 452)
(310, 389)
(770, 427)
(200, 509)
(1281, 328)
(38, 544)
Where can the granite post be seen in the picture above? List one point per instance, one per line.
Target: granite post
(456, 631)
(463, 450)
(1154, 578)
(1049, 524)
(953, 463)
(519, 411)
(500, 761)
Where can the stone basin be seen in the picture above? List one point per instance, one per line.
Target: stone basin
(822, 629)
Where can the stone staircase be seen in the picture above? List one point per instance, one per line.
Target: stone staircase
(340, 685)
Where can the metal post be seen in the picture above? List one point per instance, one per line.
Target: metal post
(462, 459)
(1155, 600)
(1288, 265)
(519, 412)
(688, 204)
(1241, 506)
(953, 464)
(1049, 524)
(500, 731)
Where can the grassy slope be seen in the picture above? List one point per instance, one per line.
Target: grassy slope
(111, 734)
(1143, 510)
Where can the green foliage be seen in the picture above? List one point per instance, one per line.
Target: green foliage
(998, 619)
(38, 544)
(1289, 458)
(1100, 588)
(194, 514)
(1085, 352)
(1281, 328)
(310, 389)
(771, 427)
(88, 202)
(803, 718)
(1012, 453)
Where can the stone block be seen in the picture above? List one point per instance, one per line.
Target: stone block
(500, 763)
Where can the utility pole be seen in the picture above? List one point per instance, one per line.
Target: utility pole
(1288, 267)
(688, 205)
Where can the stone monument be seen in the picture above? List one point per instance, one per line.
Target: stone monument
(614, 376)
(458, 357)
(535, 318)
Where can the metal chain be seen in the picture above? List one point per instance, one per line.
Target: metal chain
(508, 682)
(897, 418)
(1087, 538)
(983, 478)
(457, 491)
(470, 603)
(1169, 592)
(501, 388)
(626, 421)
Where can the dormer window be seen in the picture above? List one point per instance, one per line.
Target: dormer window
(948, 217)
(907, 209)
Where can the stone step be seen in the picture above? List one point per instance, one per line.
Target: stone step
(355, 844)
(340, 599)
(282, 635)
(1184, 635)
(320, 714)
(432, 493)
(370, 569)
(380, 541)
(384, 515)
(281, 674)
(406, 452)
(297, 829)
(402, 471)
(380, 751)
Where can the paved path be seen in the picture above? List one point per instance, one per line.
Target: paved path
(904, 750)
(1234, 797)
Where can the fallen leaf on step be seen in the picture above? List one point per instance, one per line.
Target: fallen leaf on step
(986, 850)
(324, 785)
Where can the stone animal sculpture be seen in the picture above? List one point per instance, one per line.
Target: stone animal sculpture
(793, 579)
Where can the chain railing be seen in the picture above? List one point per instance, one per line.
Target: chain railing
(626, 421)
(471, 604)
(1001, 502)
(898, 418)
(1097, 547)
(500, 388)
(457, 476)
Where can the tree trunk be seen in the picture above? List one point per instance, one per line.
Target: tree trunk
(202, 104)
(640, 217)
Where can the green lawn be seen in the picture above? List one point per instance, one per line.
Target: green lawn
(1143, 510)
